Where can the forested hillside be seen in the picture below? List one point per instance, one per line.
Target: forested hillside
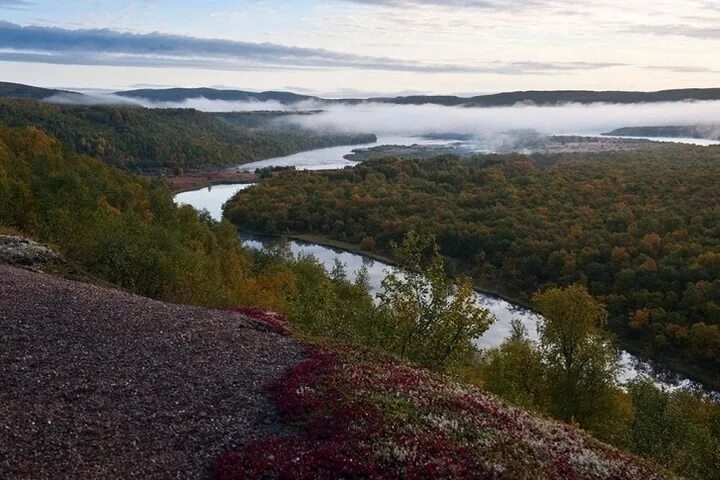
(128, 231)
(640, 229)
(141, 139)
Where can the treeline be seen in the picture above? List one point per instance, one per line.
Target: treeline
(140, 139)
(640, 229)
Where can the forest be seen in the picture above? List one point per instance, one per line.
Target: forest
(641, 230)
(165, 140)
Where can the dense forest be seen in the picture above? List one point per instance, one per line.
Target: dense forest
(640, 229)
(141, 139)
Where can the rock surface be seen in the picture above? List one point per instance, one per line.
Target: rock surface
(98, 383)
(26, 253)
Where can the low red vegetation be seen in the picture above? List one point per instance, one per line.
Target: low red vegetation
(358, 415)
(275, 320)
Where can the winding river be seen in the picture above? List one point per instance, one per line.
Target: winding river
(213, 198)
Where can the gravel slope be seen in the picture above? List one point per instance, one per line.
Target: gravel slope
(97, 383)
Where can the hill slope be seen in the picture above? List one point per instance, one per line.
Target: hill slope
(555, 97)
(362, 415)
(152, 139)
(98, 383)
(538, 97)
(103, 384)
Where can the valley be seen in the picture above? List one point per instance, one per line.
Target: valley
(142, 199)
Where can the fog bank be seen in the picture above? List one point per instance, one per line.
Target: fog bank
(200, 103)
(384, 119)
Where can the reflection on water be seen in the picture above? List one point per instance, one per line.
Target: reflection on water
(212, 198)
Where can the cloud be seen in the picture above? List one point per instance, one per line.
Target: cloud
(480, 4)
(15, 4)
(690, 31)
(56, 45)
(681, 69)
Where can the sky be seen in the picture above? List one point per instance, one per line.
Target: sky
(354, 48)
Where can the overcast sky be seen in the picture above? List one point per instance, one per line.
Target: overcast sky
(363, 47)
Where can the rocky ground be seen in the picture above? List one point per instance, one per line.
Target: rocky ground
(23, 252)
(98, 383)
(19, 251)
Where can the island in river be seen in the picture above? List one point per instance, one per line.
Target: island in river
(707, 131)
(525, 142)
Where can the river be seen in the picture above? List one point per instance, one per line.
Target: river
(333, 157)
(213, 198)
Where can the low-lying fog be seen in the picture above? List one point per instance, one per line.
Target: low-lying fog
(200, 103)
(414, 120)
(385, 119)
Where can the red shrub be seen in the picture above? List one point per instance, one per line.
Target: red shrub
(275, 320)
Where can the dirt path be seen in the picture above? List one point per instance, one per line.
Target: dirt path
(97, 383)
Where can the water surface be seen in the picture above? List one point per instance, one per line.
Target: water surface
(210, 198)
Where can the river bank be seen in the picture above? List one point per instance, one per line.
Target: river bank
(387, 259)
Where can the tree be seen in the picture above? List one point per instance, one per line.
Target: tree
(514, 370)
(430, 318)
(581, 363)
(675, 429)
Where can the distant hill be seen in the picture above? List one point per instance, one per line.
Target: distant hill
(555, 97)
(180, 94)
(710, 132)
(537, 97)
(551, 97)
(18, 90)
